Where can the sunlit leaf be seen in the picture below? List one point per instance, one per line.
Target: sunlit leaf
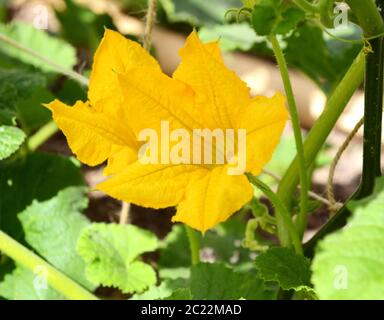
(37, 177)
(55, 49)
(111, 253)
(52, 228)
(23, 284)
(349, 264)
(11, 138)
(282, 265)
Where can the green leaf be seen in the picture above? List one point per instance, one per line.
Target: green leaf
(163, 291)
(290, 18)
(273, 17)
(212, 281)
(11, 138)
(282, 265)
(174, 249)
(37, 177)
(22, 284)
(111, 251)
(174, 273)
(225, 240)
(16, 85)
(53, 227)
(264, 17)
(71, 91)
(231, 36)
(324, 61)
(218, 282)
(349, 264)
(31, 113)
(39, 41)
(180, 294)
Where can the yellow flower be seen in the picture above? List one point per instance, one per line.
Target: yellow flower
(128, 93)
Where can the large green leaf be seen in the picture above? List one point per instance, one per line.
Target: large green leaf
(174, 249)
(37, 177)
(52, 228)
(217, 281)
(282, 265)
(111, 253)
(53, 48)
(22, 284)
(212, 281)
(11, 138)
(349, 264)
(71, 91)
(180, 294)
(308, 50)
(274, 17)
(31, 113)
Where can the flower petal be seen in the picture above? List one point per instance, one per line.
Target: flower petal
(116, 54)
(151, 97)
(220, 94)
(264, 122)
(92, 135)
(147, 185)
(120, 160)
(213, 198)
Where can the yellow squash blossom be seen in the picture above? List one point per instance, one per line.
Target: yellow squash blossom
(128, 92)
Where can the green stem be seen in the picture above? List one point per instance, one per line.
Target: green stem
(368, 16)
(282, 212)
(304, 181)
(323, 126)
(55, 278)
(42, 135)
(194, 243)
